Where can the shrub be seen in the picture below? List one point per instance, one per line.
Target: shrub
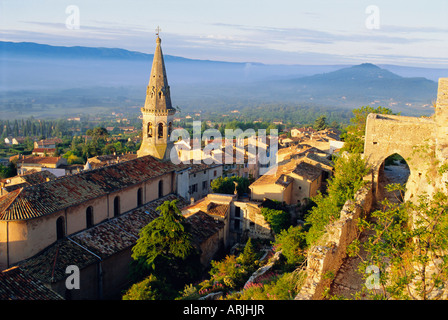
(149, 289)
(277, 219)
(348, 178)
(292, 242)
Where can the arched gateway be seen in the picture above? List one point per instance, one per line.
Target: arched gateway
(420, 141)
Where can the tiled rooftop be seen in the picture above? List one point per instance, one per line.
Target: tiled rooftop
(214, 204)
(38, 177)
(39, 160)
(100, 241)
(48, 197)
(18, 285)
(277, 175)
(307, 171)
(203, 226)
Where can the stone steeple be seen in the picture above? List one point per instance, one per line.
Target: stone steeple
(157, 112)
(158, 91)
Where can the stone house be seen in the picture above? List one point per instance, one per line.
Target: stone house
(201, 177)
(25, 163)
(291, 182)
(240, 217)
(31, 177)
(34, 217)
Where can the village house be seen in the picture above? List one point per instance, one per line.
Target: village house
(106, 160)
(242, 218)
(52, 164)
(43, 152)
(293, 181)
(47, 143)
(29, 178)
(201, 177)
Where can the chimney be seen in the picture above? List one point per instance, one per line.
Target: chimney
(191, 200)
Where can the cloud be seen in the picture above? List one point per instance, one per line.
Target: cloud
(244, 43)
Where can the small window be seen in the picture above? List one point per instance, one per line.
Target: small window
(236, 225)
(139, 197)
(237, 212)
(116, 206)
(60, 229)
(89, 217)
(160, 188)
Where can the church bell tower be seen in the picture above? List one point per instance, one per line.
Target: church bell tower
(157, 112)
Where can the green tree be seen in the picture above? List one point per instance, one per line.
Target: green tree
(227, 185)
(248, 257)
(350, 170)
(150, 289)
(8, 171)
(320, 123)
(277, 219)
(292, 242)
(165, 246)
(354, 133)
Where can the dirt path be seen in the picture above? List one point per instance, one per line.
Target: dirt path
(348, 280)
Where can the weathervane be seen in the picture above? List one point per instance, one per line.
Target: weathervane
(158, 31)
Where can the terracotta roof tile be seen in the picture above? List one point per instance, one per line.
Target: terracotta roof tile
(88, 246)
(219, 210)
(45, 198)
(203, 226)
(50, 264)
(307, 171)
(18, 285)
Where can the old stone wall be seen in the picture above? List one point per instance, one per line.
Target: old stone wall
(327, 256)
(421, 141)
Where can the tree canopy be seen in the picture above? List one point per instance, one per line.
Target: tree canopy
(164, 245)
(354, 135)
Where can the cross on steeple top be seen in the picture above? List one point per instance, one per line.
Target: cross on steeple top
(158, 31)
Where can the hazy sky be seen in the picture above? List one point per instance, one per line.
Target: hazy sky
(277, 31)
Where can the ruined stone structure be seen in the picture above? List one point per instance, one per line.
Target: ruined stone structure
(422, 142)
(329, 253)
(157, 112)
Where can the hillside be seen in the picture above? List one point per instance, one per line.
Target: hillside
(362, 83)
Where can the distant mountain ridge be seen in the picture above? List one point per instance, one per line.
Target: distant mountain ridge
(369, 81)
(32, 66)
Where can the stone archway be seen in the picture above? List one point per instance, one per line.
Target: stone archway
(407, 136)
(394, 169)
